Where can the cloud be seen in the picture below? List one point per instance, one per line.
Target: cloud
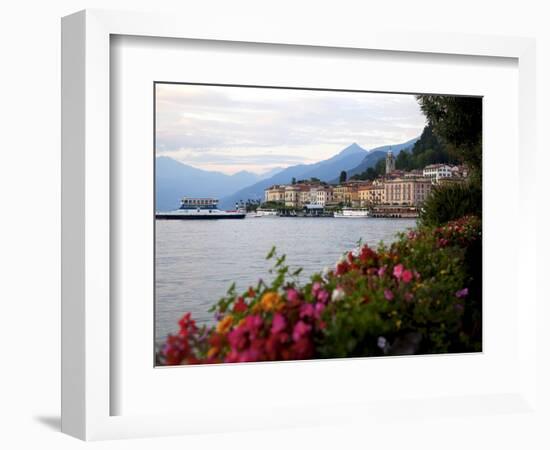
(256, 128)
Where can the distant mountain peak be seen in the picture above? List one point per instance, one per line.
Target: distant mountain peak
(353, 148)
(244, 172)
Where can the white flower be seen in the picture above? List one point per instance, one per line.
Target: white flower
(338, 294)
(382, 342)
(356, 252)
(325, 273)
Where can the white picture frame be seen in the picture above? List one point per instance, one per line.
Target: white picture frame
(87, 319)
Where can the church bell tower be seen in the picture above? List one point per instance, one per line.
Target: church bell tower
(390, 162)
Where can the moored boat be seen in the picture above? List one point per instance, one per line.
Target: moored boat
(201, 209)
(263, 212)
(352, 213)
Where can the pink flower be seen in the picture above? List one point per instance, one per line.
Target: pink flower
(278, 324)
(292, 294)
(323, 296)
(408, 296)
(407, 276)
(300, 329)
(319, 308)
(315, 288)
(307, 310)
(237, 338)
(382, 271)
(388, 295)
(462, 293)
(398, 271)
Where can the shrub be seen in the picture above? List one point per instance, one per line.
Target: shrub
(451, 202)
(414, 296)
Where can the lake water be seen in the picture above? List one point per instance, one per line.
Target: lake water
(196, 260)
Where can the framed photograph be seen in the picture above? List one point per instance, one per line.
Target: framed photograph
(369, 252)
(273, 218)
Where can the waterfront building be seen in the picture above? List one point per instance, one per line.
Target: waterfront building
(304, 196)
(407, 191)
(372, 194)
(323, 195)
(339, 193)
(437, 171)
(275, 193)
(292, 196)
(348, 193)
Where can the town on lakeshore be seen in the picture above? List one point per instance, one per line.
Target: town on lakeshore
(395, 194)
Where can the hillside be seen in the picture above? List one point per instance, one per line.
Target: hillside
(175, 180)
(427, 149)
(325, 170)
(378, 153)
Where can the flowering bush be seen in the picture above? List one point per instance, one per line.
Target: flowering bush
(422, 294)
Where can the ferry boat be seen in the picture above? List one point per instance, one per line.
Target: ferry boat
(352, 213)
(263, 212)
(201, 209)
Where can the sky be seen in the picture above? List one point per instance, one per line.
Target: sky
(230, 129)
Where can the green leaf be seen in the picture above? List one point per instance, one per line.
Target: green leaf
(271, 253)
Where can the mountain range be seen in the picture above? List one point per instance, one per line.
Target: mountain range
(175, 179)
(375, 154)
(352, 159)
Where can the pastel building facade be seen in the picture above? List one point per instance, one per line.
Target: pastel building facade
(407, 191)
(372, 194)
(275, 194)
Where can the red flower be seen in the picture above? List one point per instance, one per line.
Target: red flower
(341, 268)
(240, 306)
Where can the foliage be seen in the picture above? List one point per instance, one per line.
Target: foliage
(457, 121)
(343, 176)
(451, 201)
(419, 295)
(252, 205)
(273, 205)
(429, 149)
(372, 173)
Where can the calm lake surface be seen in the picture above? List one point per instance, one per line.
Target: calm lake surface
(197, 260)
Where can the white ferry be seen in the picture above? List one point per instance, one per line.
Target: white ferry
(201, 209)
(352, 213)
(263, 212)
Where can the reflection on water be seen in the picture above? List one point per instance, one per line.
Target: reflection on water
(196, 261)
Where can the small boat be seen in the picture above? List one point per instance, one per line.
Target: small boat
(201, 209)
(352, 213)
(263, 212)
